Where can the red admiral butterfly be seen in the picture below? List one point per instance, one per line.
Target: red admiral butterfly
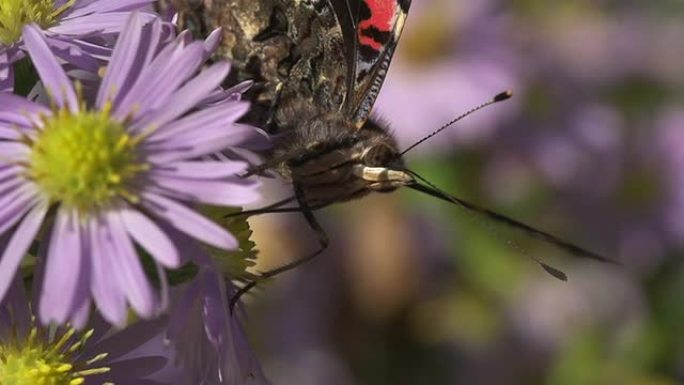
(318, 66)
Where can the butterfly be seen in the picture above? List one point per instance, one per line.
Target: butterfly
(317, 67)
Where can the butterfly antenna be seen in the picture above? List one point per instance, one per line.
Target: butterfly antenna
(432, 190)
(498, 98)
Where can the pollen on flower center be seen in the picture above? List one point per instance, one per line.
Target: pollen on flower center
(36, 361)
(14, 14)
(83, 160)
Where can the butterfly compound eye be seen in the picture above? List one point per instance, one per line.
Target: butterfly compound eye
(378, 155)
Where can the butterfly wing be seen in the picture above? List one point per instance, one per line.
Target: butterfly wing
(373, 30)
(294, 51)
(330, 54)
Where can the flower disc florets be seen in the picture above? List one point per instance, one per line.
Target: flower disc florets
(15, 14)
(85, 159)
(36, 361)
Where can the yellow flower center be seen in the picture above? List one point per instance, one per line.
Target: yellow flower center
(84, 160)
(15, 14)
(34, 361)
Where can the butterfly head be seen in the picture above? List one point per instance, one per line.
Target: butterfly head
(340, 163)
(381, 167)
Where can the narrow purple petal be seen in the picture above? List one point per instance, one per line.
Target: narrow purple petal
(222, 193)
(208, 143)
(13, 151)
(94, 50)
(233, 94)
(211, 118)
(11, 103)
(211, 42)
(64, 260)
(14, 205)
(19, 244)
(148, 235)
(6, 74)
(179, 319)
(11, 183)
(78, 315)
(260, 141)
(51, 73)
(123, 59)
(201, 169)
(80, 309)
(73, 54)
(9, 171)
(106, 6)
(128, 268)
(108, 295)
(160, 79)
(241, 87)
(9, 133)
(189, 222)
(102, 23)
(189, 95)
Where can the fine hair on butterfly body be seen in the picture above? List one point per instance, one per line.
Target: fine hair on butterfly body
(318, 66)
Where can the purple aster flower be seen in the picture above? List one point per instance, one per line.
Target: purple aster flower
(32, 354)
(70, 27)
(209, 339)
(116, 173)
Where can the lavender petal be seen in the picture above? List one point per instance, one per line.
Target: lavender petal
(201, 169)
(106, 6)
(64, 260)
(19, 244)
(223, 193)
(51, 73)
(159, 80)
(123, 58)
(10, 103)
(101, 23)
(211, 42)
(13, 151)
(73, 54)
(210, 119)
(148, 235)
(189, 222)
(189, 95)
(14, 205)
(208, 143)
(128, 268)
(6, 74)
(108, 295)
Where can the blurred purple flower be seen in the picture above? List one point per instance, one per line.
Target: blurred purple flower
(671, 143)
(73, 29)
(117, 171)
(32, 354)
(209, 339)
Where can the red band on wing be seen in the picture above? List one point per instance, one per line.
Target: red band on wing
(370, 42)
(382, 14)
(382, 17)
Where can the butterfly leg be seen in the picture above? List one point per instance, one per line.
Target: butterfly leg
(275, 208)
(322, 238)
(272, 208)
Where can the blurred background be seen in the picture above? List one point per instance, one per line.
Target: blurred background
(591, 148)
